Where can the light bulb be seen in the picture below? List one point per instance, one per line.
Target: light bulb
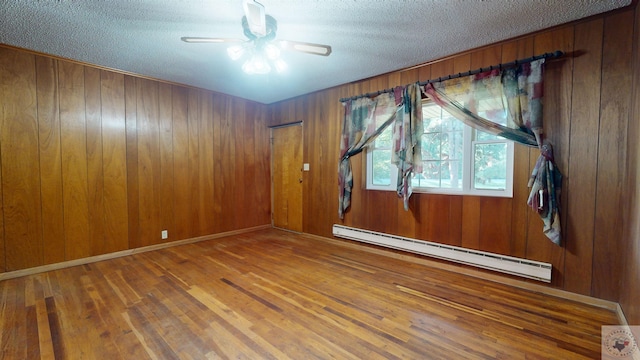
(247, 67)
(280, 65)
(235, 52)
(257, 64)
(272, 52)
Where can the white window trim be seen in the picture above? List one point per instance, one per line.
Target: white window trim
(467, 188)
(369, 173)
(508, 191)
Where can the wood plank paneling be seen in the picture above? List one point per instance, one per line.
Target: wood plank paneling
(328, 158)
(149, 172)
(630, 252)
(182, 196)
(262, 195)
(615, 106)
(95, 168)
(219, 112)
(50, 160)
(193, 119)
(3, 257)
(133, 202)
(114, 148)
(73, 134)
(471, 222)
(167, 213)
(92, 161)
(455, 216)
(239, 182)
(557, 121)
(496, 222)
(20, 160)
(584, 157)
(227, 163)
(435, 219)
(322, 126)
(205, 141)
(248, 154)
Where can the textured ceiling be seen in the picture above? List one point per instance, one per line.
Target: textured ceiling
(368, 37)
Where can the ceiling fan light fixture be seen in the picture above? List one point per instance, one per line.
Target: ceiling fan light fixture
(280, 65)
(257, 64)
(191, 39)
(272, 52)
(236, 52)
(260, 51)
(316, 49)
(255, 17)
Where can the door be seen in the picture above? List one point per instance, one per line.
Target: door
(286, 177)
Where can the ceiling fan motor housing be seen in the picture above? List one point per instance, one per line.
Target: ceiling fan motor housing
(271, 26)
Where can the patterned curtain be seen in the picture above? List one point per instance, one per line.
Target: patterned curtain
(519, 90)
(364, 120)
(407, 149)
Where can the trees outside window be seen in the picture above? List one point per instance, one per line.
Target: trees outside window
(456, 158)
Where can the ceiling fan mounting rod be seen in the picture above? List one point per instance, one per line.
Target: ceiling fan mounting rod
(271, 26)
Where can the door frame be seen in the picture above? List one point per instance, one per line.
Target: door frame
(275, 127)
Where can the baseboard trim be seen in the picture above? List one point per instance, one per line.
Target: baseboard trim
(114, 255)
(584, 299)
(621, 318)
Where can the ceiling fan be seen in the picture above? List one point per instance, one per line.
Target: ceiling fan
(261, 45)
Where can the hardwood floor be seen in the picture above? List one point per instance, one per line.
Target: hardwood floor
(278, 295)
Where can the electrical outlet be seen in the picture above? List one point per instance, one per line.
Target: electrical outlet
(165, 234)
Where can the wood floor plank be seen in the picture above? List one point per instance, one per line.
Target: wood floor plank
(44, 334)
(277, 295)
(54, 329)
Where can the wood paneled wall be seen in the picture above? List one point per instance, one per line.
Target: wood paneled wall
(629, 252)
(93, 161)
(587, 104)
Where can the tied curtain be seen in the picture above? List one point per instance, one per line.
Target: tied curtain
(407, 148)
(518, 91)
(364, 119)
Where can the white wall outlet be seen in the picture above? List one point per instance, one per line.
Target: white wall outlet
(165, 234)
(305, 167)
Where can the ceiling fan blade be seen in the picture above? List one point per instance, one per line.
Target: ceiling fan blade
(309, 48)
(189, 39)
(254, 11)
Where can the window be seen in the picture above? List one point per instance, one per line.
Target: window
(381, 174)
(456, 158)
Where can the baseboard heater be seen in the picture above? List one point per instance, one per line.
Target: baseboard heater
(486, 260)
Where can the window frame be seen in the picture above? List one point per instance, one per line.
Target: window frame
(468, 170)
(393, 176)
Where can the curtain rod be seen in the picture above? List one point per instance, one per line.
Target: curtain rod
(552, 55)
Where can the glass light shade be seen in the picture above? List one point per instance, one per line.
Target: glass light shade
(280, 65)
(235, 52)
(271, 51)
(257, 64)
